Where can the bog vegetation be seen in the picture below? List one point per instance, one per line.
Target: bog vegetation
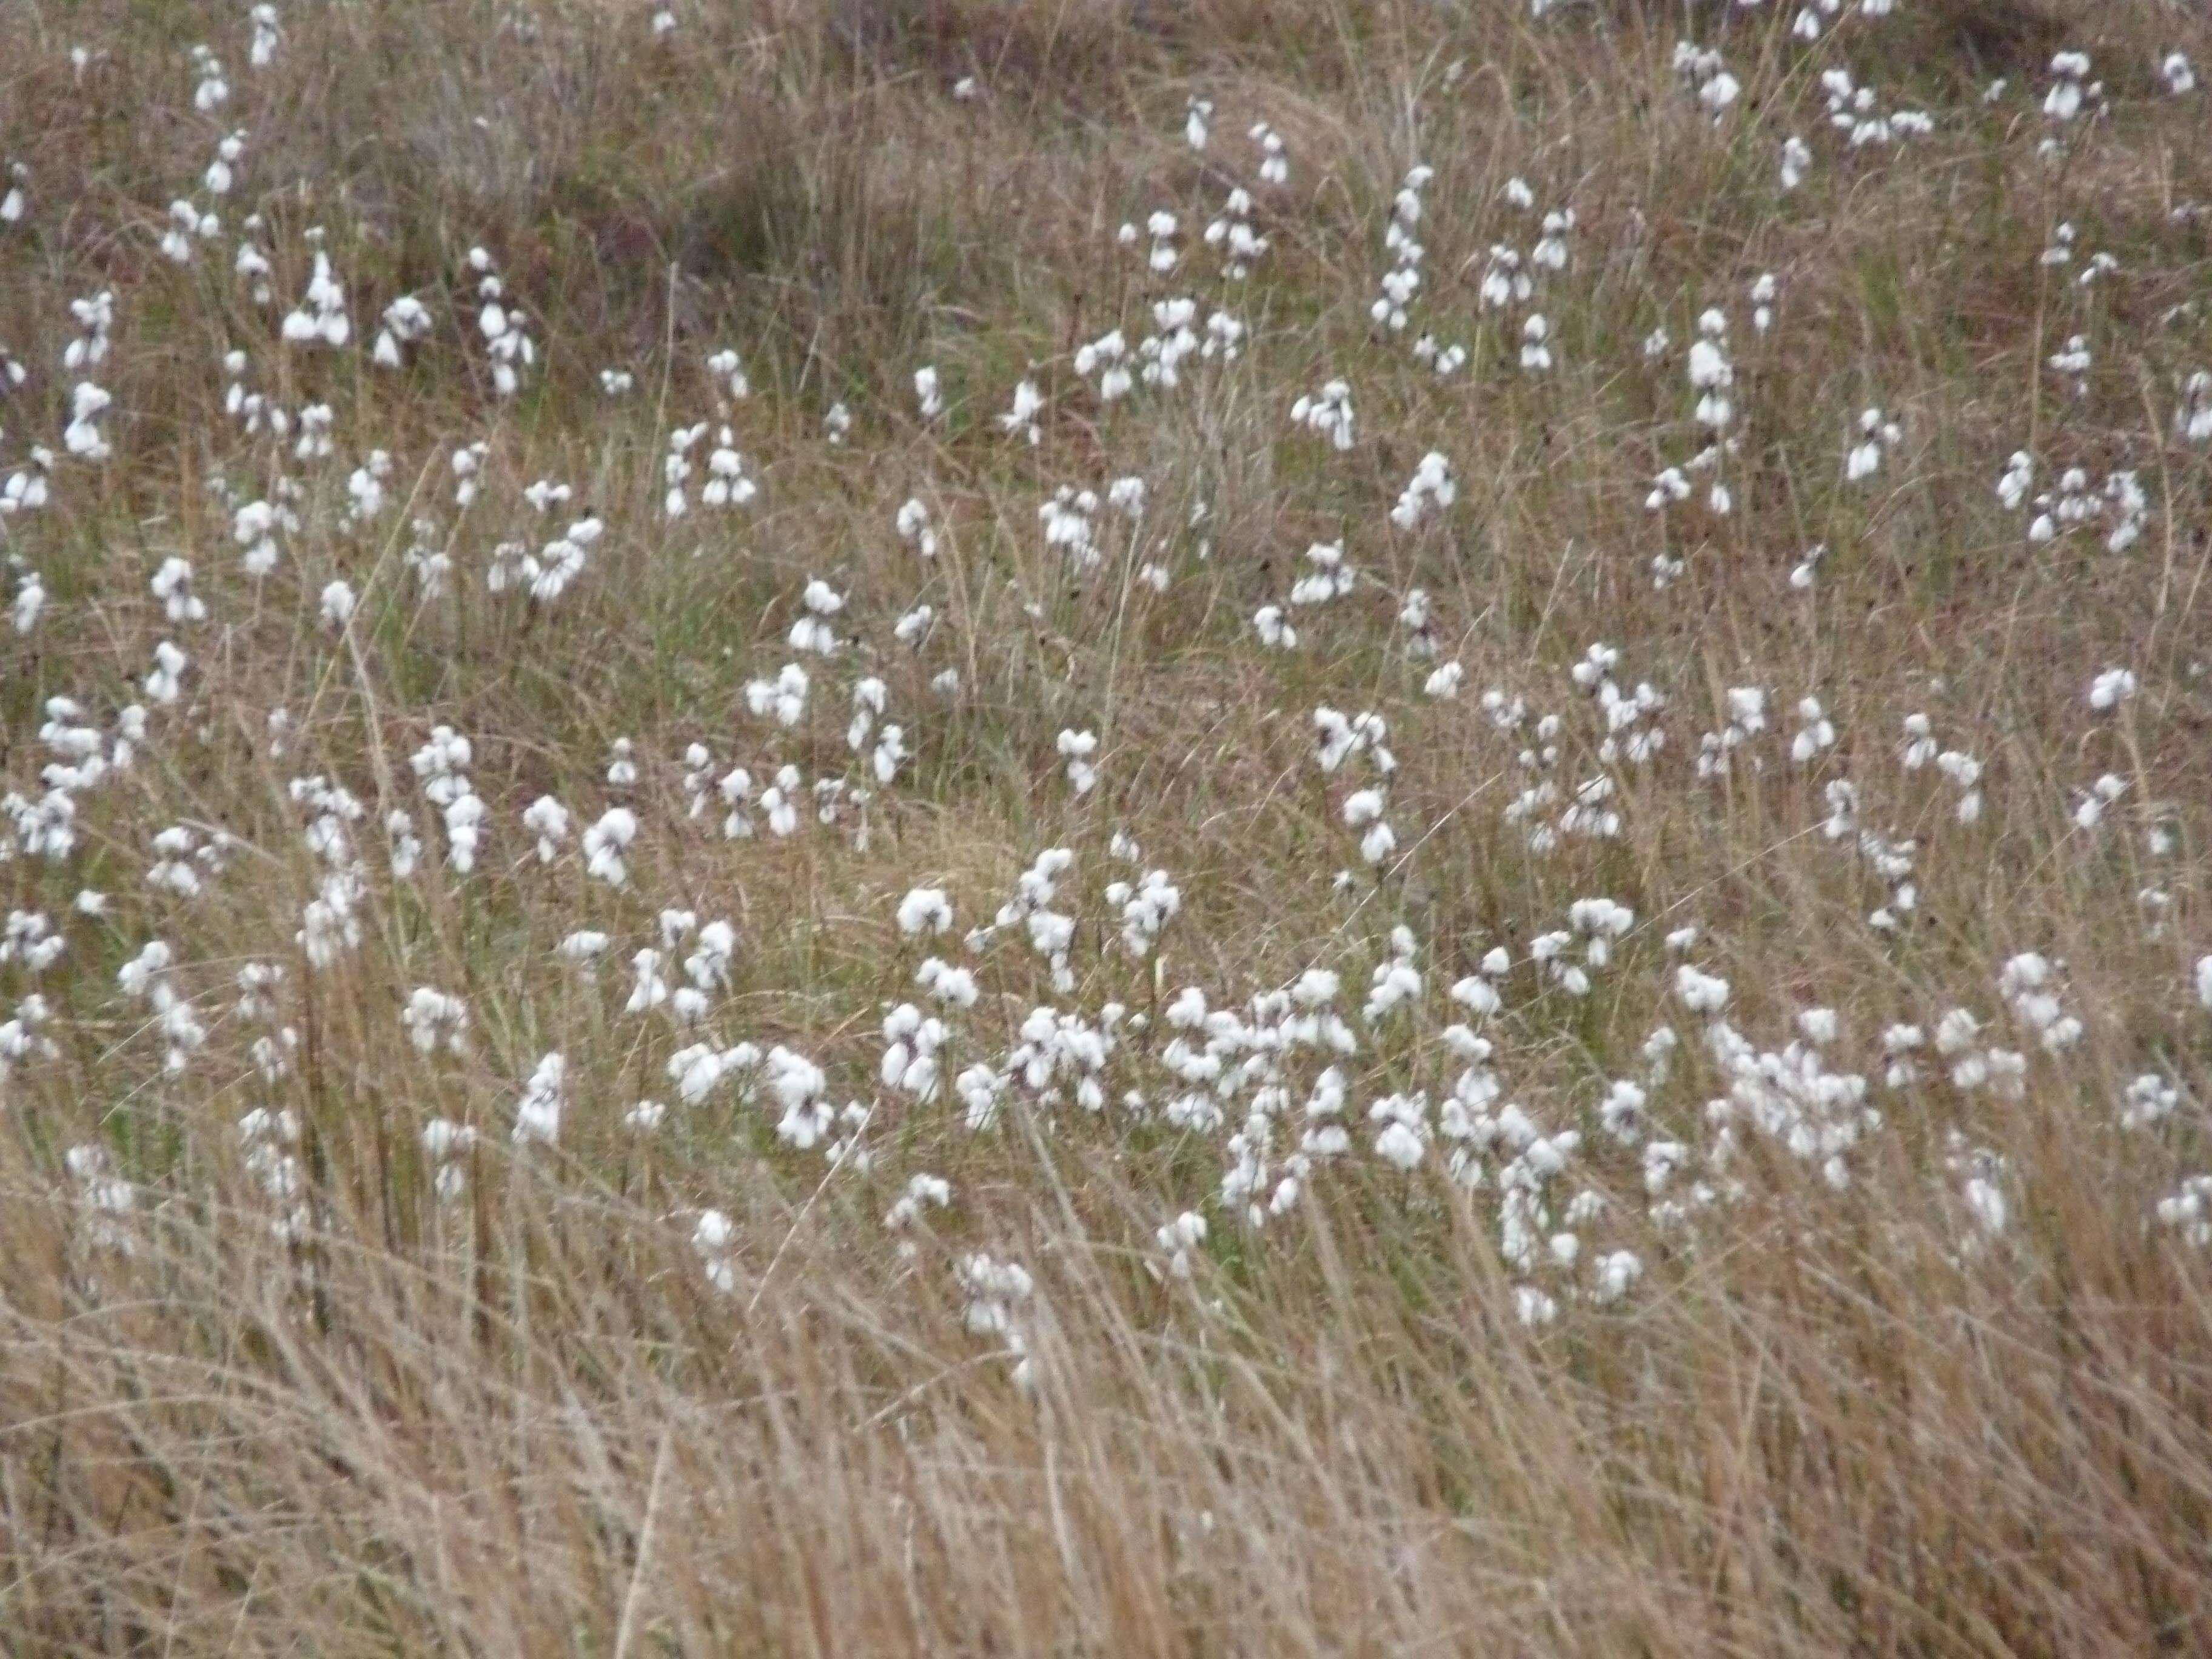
(1251, 827)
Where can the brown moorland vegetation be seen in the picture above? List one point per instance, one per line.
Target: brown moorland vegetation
(1457, 902)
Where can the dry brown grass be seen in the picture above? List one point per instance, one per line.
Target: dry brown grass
(521, 1421)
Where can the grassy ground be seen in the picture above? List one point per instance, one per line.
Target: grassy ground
(1639, 1089)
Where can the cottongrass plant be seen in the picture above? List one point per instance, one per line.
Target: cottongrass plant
(878, 829)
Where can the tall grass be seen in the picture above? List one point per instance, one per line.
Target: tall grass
(304, 1349)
